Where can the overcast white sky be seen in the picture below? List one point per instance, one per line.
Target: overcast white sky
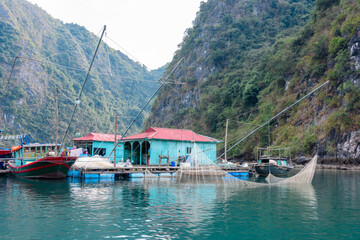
(150, 30)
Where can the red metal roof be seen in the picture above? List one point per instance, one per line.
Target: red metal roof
(171, 134)
(101, 137)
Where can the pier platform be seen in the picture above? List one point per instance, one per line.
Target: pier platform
(116, 173)
(4, 172)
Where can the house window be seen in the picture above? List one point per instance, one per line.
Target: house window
(100, 151)
(188, 150)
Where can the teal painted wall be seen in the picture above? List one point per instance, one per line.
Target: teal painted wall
(177, 148)
(166, 147)
(109, 147)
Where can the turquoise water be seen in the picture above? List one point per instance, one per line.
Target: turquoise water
(327, 209)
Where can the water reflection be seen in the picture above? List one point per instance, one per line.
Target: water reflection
(305, 195)
(169, 209)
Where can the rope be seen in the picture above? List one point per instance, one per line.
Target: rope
(8, 81)
(132, 56)
(155, 93)
(83, 70)
(77, 101)
(290, 106)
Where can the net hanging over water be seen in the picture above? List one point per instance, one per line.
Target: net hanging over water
(200, 169)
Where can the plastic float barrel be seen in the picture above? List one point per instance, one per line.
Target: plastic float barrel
(73, 173)
(239, 173)
(136, 175)
(106, 176)
(91, 176)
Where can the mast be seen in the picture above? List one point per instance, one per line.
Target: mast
(77, 101)
(115, 143)
(226, 133)
(161, 85)
(56, 121)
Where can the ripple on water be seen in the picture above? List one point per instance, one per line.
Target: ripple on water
(133, 210)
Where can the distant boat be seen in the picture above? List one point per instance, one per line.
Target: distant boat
(273, 161)
(5, 153)
(39, 161)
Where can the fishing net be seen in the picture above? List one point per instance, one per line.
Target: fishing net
(198, 168)
(305, 175)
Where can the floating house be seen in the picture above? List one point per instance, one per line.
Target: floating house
(100, 144)
(161, 146)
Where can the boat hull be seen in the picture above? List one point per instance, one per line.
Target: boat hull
(263, 170)
(5, 153)
(48, 167)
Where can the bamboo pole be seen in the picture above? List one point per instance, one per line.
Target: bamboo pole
(226, 135)
(77, 101)
(56, 121)
(115, 142)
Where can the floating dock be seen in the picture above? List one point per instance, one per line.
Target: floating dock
(116, 173)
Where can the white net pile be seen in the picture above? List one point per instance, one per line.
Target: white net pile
(97, 162)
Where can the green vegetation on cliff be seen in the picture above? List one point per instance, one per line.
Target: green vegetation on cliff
(246, 60)
(62, 53)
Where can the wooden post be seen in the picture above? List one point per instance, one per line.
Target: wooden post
(140, 154)
(269, 136)
(56, 121)
(115, 141)
(168, 159)
(226, 132)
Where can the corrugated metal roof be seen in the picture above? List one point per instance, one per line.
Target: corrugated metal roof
(171, 134)
(101, 137)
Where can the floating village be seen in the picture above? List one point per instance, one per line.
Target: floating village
(154, 153)
(248, 129)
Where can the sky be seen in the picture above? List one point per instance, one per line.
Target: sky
(149, 30)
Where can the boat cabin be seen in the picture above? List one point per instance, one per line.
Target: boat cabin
(273, 160)
(31, 152)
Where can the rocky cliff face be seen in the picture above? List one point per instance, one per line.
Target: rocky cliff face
(232, 23)
(355, 49)
(247, 60)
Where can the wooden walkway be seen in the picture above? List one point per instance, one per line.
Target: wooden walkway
(134, 169)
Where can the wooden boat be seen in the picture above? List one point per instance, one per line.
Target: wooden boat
(273, 162)
(39, 161)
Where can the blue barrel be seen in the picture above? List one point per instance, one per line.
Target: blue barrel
(91, 176)
(173, 164)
